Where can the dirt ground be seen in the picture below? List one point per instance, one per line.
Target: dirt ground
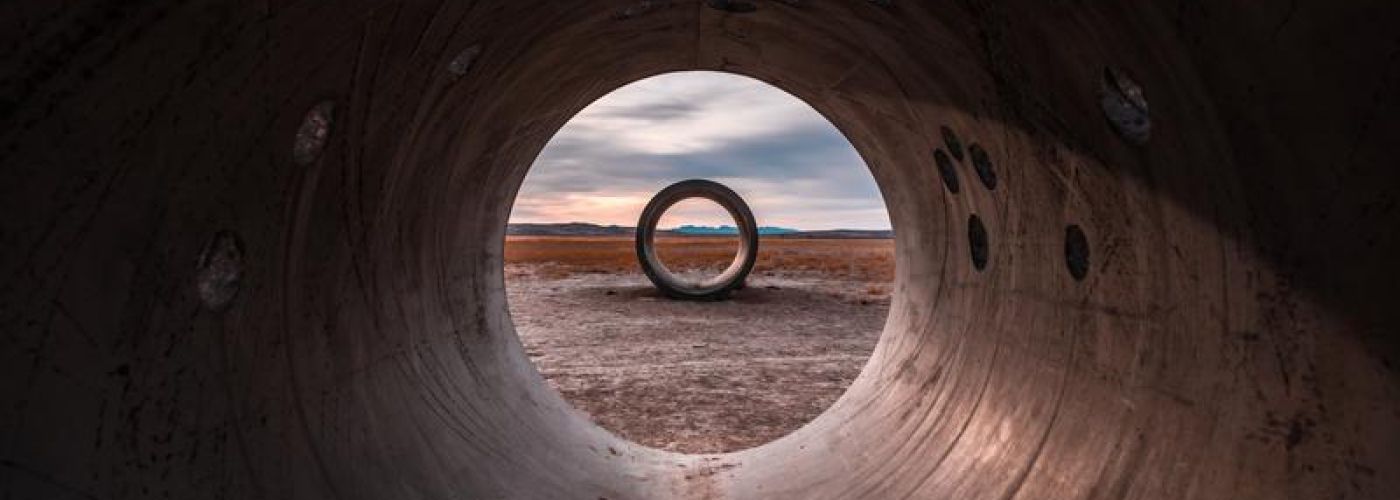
(699, 377)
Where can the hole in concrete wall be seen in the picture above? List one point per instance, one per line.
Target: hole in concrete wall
(735, 6)
(694, 376)
(946, 171)
(951, 141)
(982, 164)
(311, 136)
(977, 242)
(219, 271)
(1125, 106)
(1076, 252)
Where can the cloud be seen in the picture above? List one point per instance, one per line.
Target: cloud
(791, 165)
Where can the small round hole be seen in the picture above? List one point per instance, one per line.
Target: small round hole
(977, 242)
(1076, 252)
(311, 136)
(734, 6)
(946, 171)
(951, 141)
(983, 165)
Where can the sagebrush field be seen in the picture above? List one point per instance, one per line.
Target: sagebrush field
(699, 377)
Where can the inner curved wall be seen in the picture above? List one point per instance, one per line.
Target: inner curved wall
(1215, 350)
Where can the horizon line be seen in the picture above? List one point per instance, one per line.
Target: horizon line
(698, 225)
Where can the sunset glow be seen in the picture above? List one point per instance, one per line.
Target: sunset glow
(792, 166)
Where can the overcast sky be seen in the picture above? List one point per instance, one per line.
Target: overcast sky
(791, 165)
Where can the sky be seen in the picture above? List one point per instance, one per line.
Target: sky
(790, 164)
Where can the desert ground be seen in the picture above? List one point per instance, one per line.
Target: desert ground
(699, 377)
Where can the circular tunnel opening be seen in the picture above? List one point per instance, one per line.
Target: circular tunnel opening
(213, 292)
(692, 261)
(699, 376)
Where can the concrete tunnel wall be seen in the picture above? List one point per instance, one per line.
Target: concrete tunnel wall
(1235, 336)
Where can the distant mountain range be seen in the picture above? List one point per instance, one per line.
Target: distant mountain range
(587, 229)
(729, 230)
(568, 229)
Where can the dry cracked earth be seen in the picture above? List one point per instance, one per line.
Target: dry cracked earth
(697, 377)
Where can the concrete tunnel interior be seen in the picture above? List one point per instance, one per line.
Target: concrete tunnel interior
(206, 295)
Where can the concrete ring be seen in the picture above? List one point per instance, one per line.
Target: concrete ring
(714, 288)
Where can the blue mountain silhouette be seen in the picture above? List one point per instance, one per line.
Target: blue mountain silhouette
(728, 230)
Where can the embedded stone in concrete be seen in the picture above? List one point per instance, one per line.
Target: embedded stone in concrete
(462, 63)
(643, 7)
(313, 133)
(219, 273)
(1125, 106)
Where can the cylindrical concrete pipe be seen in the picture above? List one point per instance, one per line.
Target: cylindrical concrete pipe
(197, 303)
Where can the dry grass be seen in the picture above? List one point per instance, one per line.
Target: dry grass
(847, 259)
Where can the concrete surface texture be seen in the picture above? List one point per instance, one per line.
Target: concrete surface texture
(196, 303)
